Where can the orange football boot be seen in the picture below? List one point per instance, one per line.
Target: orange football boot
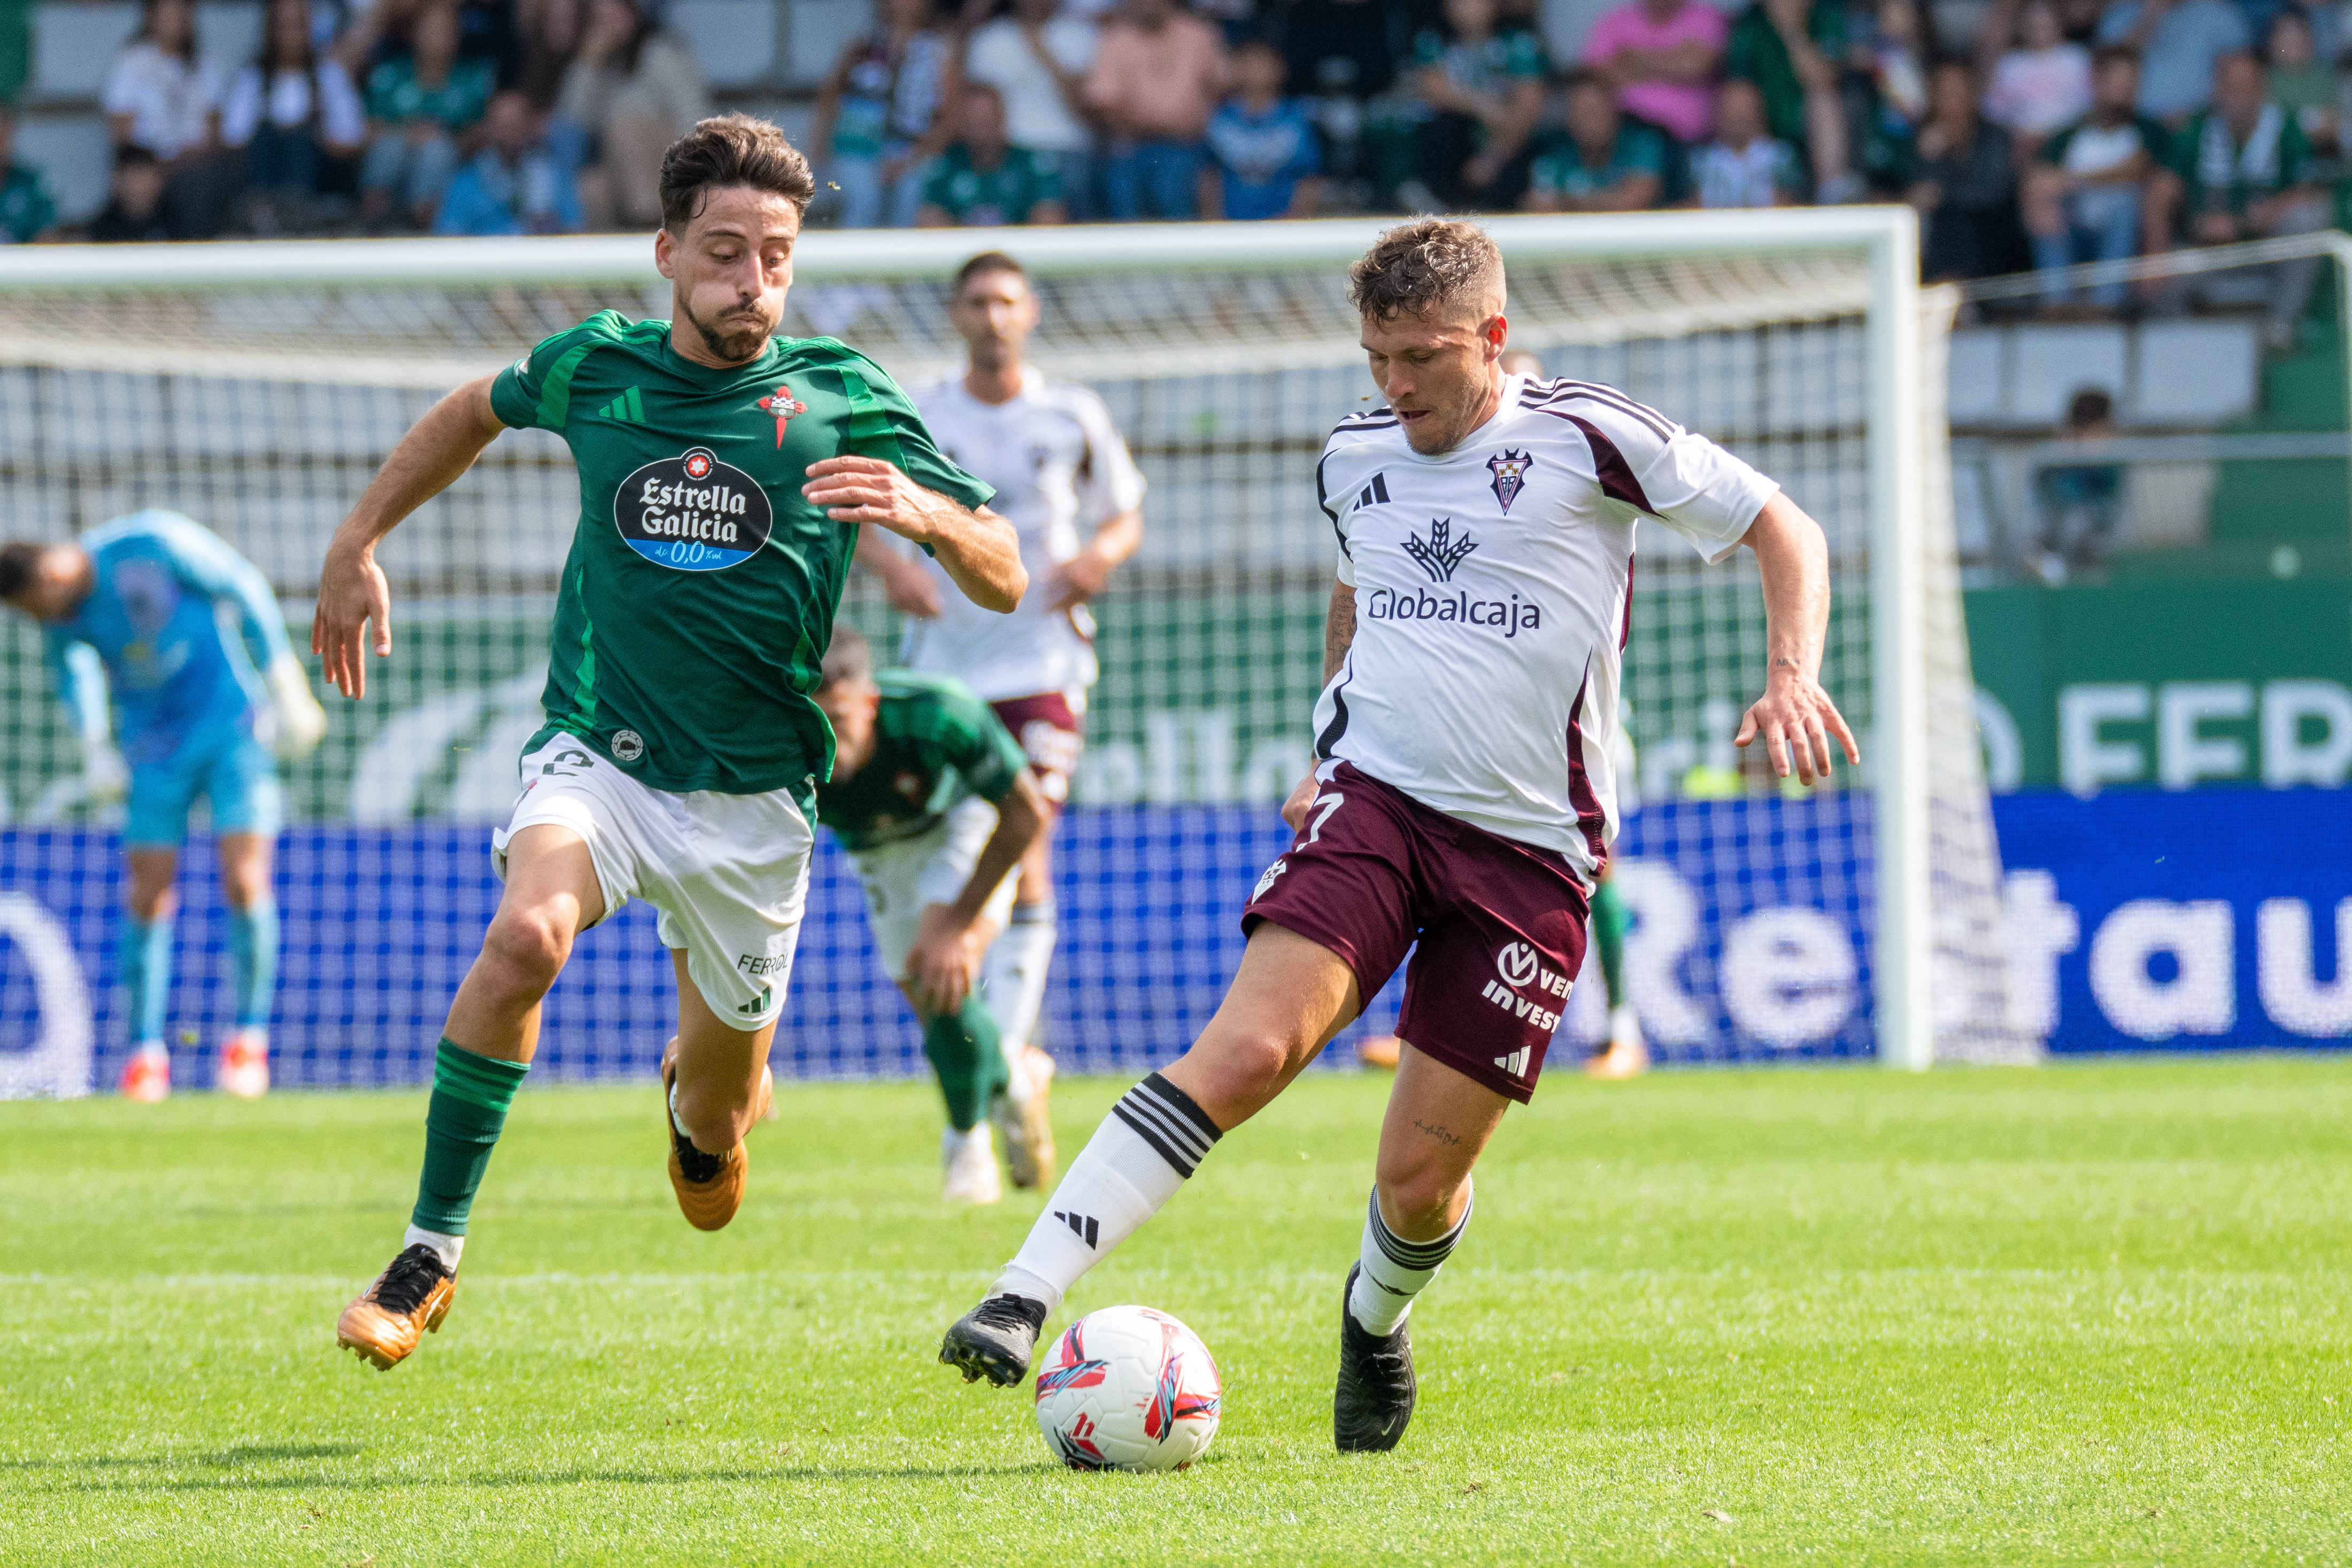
(147, 1075)
(1378, 1051)
(407, 1302)
(710, 1187)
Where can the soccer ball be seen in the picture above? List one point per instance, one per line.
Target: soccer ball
(1128, 1388)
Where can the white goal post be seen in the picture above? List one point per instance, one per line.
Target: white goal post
(1228, 345)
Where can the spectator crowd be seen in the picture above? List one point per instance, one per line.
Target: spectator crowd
(2029, 133)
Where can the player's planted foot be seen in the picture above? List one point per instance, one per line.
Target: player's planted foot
(1628, 1055)
(970, 1159)
(1375, 1394)
(710, 1187)
(1024, 1115)
(995, 1340)
(244, 1068)
(407, 1301)
(148, 1074)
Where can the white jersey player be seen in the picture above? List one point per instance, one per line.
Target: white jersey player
(1460, 803)
(1064, 480)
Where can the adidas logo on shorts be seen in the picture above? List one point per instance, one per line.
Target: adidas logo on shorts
(1516, 1065)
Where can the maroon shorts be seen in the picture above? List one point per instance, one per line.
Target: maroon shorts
(1500, 923)
(1051, 734)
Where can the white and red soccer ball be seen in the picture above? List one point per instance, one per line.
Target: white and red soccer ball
(1128, 1388)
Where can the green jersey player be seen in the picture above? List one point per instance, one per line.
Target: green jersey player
(936, 804)
(723, 476)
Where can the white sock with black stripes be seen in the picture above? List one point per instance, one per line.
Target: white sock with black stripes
(1393, 1272)
(1153, 1138)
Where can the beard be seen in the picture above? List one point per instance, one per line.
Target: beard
(736, 338)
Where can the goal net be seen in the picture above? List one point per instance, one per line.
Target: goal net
(256, 387)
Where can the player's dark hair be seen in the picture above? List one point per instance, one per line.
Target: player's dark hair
(19, 560)
(730, 150)
(849, 657)
(2091, 406)
(1432, 264)
(986, 262)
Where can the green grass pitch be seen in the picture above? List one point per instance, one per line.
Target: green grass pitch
(2084, 1314)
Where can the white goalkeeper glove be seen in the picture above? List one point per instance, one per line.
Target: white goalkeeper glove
(297, 721)
(105, 775)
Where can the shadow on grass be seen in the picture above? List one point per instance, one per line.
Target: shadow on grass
(222, 1458)
(505, 1479)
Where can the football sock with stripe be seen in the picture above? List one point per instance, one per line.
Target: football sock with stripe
(147, 977)
(965, 1051)
(462, 1122)
(1395, 1270)
(253, 960)
(1153, 1138)
(1013, 973)
(1610, 920)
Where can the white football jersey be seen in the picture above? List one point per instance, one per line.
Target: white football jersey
(1059, 469)
(1494, 595)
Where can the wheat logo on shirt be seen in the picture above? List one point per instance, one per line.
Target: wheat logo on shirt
(783, 405)
(1440, 554)
(1510, 471)
(692, 512)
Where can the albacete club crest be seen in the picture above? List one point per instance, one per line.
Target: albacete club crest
(1510, 471)
(783, 405)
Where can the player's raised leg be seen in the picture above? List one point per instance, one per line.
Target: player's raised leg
(552, 893)
(1291, 995)
(146, 959)
(715, 1084)
(1438, 1121)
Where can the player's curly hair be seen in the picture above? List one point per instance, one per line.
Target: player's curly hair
(730, 150)
(1430, 263)
(849, 657)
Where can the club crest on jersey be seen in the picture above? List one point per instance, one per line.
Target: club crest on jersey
(1510, 471)
(783, 405)
(692, 512)
(1440, 553)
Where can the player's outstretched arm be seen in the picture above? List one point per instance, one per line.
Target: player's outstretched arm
(1795, 715)
(940, 964)
(978, 549)
(353, 593)
(1339, 636)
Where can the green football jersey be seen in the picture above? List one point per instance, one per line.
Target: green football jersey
(934, 744)
(700, 589)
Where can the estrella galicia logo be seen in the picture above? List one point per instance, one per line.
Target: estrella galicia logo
(1510, 471)
(692, 512)
(1440, 554)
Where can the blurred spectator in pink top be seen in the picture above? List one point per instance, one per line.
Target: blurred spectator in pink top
(1158, 73)
(1663, 57)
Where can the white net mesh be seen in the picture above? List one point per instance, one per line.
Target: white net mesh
(262, 411)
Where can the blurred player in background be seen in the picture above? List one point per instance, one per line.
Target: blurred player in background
(724, 472)
(185, 636)
(1464, 800)
(1625, 1054)
(1064, 480)
(934, 801)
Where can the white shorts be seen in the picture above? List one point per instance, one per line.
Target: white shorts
(902, 879)
(729, 874)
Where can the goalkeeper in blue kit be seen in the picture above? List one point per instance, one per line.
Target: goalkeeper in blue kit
(154, 618)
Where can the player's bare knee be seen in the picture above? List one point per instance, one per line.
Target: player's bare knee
(1244, 1067)
(524, 950)
(1417, 1198)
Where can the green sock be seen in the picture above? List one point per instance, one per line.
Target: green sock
(966, 1052)
(468, 1108)
(1610, 919)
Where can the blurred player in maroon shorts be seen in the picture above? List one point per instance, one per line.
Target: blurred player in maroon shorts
(1064, 479)
(1465, 795)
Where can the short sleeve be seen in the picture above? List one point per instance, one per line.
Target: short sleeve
(976, 742)
(1114, 484)
(938, 186)
(341, 117)
(1649, 464)
(535, 392)
(1644, 150)
(1335, 510)
(123, 92)
(884, 423)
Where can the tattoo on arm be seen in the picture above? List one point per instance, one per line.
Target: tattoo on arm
(1438, 1131)
(1338, 630)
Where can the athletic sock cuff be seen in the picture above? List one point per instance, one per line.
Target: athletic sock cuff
(483, 1080)
(1032, 914)
(1419, 1256)
(1165, 1117)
